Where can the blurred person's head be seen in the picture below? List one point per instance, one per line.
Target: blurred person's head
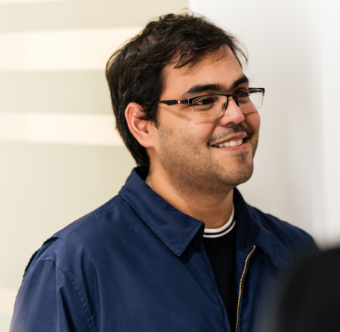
(309, 297)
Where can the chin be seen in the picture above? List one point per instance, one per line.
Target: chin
(239, 175)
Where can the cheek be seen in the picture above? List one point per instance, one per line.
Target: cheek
(253, 120)
(192, 133)
(181, 128)
(202, 129)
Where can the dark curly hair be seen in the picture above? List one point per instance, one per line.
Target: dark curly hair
(135, 71)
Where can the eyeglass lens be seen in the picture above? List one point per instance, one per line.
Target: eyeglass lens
(213, 106)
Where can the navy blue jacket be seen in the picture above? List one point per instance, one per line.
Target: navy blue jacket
(138, 264)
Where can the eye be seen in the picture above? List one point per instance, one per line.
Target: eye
(243, 94)
(205, 102)
(243, 97)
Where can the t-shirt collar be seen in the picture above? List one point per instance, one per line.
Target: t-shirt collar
(221, 231)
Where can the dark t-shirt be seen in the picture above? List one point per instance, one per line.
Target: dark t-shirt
(221, 254)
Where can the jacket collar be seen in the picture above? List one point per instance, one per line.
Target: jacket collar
(252, 229)
(174, 228)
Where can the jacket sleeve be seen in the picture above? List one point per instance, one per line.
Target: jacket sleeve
(48, 302)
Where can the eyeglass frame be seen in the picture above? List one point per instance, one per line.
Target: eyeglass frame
(189, 101)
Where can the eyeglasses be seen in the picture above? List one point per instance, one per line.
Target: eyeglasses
(214, 106)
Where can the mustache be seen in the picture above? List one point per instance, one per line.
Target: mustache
(231, 128)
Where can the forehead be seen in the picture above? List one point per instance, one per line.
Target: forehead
(220, 68)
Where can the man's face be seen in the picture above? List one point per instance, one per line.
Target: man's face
(187, 147)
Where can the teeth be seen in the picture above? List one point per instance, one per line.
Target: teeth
(236, 143)
(224, 145)
(231, 143)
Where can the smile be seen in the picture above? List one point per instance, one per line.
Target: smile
(228, 144)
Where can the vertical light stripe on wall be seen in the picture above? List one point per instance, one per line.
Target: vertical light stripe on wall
(60, 156)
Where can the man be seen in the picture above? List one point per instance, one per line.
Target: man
(178, 249)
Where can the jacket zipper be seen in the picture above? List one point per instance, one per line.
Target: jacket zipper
(240, 287)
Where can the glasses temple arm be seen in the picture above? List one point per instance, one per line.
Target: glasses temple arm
(174, 102)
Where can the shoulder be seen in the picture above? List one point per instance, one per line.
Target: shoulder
(268, 228)
(85, 237)
(289, 235)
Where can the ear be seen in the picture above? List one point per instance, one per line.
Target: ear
(140, 129)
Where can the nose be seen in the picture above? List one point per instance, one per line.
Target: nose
(232, 114)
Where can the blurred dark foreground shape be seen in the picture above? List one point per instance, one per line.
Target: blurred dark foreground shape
(309, 300)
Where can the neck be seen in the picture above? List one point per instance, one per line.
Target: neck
(214, 209)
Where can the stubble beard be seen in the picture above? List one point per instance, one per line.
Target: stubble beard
(196, 172)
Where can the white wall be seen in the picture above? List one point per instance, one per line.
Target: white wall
(327, 14)
(293, 49)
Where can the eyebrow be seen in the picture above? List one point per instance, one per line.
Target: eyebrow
(216, 87)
